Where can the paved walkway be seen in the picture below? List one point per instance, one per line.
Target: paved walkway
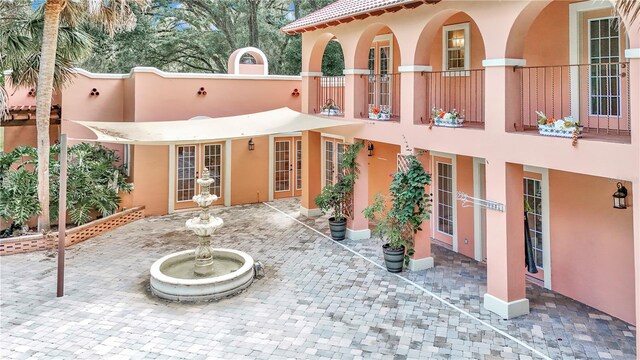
(319, 299)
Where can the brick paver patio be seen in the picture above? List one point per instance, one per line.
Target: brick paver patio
(318, 300)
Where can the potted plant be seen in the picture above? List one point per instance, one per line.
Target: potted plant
(567, 127)
(336, 198)
(330, 108)
(398, 222)
(447, 118)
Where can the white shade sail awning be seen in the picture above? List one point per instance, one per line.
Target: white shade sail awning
(206, 129)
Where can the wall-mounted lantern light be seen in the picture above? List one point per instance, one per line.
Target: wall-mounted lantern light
(370, 149)
(252, 145)
(620, 197)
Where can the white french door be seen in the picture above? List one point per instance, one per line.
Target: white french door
(287, 167)
(191, 160)
(380, 65)
(333, 151)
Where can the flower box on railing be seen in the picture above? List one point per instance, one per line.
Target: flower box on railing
(451, 122)
(565, 128)
(564, 132)
(380, 113)
(379, 116)
(331, 112)
(329, 108)
(451, 118)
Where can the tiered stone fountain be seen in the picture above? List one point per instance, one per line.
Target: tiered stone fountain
(204, 273)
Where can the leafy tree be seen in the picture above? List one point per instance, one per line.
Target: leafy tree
(199, 35)
(94, 183)
(18, 186)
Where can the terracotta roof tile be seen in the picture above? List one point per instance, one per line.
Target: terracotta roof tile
(342, 9)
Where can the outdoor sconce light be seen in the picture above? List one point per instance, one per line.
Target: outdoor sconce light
(202, 91)
(32, 93)
(370, 149)
(620, 197)
(94, 92)
(295, 93)
(252, 145)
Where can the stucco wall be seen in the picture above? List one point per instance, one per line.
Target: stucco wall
(151, 182)
(250, 171)
(161, 99)
(382, 164)
(464, 177)
(591, 244)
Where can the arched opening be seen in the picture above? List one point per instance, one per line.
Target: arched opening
(453, 46)
(575, 68)
(248, 60)
(377, 58)
(327, 57)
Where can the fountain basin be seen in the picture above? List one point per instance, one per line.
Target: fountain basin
(172, 276)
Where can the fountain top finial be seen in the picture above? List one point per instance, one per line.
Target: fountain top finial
(205, 181)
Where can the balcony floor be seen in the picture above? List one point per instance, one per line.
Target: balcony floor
(588, 136)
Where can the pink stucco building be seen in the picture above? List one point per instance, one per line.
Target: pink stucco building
(497, 63)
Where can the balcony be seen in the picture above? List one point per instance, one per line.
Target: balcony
(329, 95)
(597, 95)
(459, 90)
(382, 97)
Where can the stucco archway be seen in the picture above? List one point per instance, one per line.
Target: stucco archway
(261, 66)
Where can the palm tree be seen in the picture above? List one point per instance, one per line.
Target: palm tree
(112, 16)
(629, 8)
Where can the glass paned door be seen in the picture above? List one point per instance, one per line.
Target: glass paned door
(298, 164)
(333, 152)
(340, 147)
(186, 179)
(329, 162)
(190, 162)
(533, 203)
(282, 166)
(604, 69)
(445, 198)
(213, 162)
(384, 92)
(379, 87)
(287, 166)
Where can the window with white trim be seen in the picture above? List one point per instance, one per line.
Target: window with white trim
(455, 47)
(445, 198)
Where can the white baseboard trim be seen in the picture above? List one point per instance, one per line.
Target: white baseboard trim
(506, 310)
(420, 264)
(358, 234)
(310, 212)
